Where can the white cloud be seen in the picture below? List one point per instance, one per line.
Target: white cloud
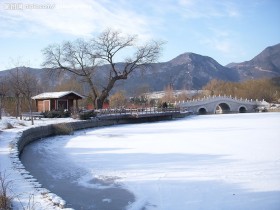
(223, 46)
(218, 39)
(223, 43)
(231, 10)
(194, 9)
(78, 18)
(85, 17)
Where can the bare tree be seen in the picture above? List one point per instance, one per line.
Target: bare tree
(118, 100)
(28, 86)
(14, 80)
(69, 84)
(3, 93)
(5, 199)
(168, 94)
(83, 58)
(25, 84)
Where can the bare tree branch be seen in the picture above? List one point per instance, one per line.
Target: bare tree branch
(83, 58)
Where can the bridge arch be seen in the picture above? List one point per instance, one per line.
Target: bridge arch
(222, 108)
(242, 109)
(202, 110)
(221, 104)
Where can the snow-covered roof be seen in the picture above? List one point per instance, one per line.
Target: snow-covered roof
(49, 95)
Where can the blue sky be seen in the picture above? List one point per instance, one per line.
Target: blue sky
(226, 30)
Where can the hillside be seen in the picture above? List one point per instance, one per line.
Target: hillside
(265, 64)
(186, 71)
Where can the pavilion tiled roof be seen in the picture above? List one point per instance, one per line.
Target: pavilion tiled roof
(54, 95)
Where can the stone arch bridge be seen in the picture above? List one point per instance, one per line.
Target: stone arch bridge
(222, 105)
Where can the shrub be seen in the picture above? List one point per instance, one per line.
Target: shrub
(56, 114)
(5, 200)
(63, 129)
(8, 125)
(86, 115)
(22, 123)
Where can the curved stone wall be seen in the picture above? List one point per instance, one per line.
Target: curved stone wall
(27, 136)
(32, 134)
(40, 132)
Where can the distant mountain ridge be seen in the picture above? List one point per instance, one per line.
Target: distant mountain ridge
(193, 71)
(186, 71)
(265, 64)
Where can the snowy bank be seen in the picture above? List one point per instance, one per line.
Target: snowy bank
(24, 189)
(206, 162)
(203, 162)
(15, 134)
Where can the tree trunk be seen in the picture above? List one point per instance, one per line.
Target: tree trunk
(0, 107)
(17, 106)
(105, 92)
(99, 103)
(94, 93)
(30, 110)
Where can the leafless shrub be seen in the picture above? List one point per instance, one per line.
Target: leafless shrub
(11, 145)
(31, 205)
(5, 199)
(22, 123)
(8, 125)
(63, 129)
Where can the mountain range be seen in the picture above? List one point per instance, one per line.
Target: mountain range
(186, 71)
(265, 64)
(193, 71)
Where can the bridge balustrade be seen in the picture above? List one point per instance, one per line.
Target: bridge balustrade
(234, 105)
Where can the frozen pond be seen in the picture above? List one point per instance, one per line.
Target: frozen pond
(201, 162)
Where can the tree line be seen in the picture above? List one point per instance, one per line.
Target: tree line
(16, 90)
(84, 60)
(261, 89)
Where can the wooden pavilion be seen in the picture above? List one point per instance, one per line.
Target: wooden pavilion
(65, 100)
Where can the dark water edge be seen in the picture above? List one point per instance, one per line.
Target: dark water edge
(60, 176)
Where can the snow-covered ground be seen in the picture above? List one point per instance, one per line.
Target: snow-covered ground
(25, 124)
(22, 191)
(201, 162)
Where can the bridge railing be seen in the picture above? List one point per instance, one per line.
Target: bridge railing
(209, 98)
